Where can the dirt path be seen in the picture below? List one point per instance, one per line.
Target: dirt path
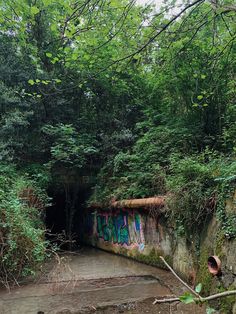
(95, 281)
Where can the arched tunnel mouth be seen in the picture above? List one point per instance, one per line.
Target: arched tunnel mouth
(63, 219)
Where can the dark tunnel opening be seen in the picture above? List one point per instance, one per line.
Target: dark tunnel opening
(55, 214)
(56, 219)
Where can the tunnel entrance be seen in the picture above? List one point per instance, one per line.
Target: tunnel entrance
(55, 215)
(63, 219)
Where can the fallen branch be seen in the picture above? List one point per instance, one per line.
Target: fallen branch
(183, 282)
(209, 298)
(198, 298)
(170, 300)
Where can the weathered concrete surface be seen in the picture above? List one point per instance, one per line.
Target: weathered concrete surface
(229, 252)
(98, 280)
(139, 235)
(145, 236)
(183, 261)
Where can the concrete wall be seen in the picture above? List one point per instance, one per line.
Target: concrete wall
(137, 234)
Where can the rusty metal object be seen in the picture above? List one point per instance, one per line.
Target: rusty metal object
(214, 265)
(138, 203)
(157, 201)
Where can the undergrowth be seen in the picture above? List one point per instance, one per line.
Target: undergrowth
(22, 241)
(196, 185)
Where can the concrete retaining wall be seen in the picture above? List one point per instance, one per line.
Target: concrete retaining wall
(137, 234)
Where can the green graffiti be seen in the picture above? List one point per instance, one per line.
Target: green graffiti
(122, 228)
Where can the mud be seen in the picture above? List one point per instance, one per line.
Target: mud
(95, 281)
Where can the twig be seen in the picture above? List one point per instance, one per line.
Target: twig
(209, 298)
(152, 39)
(198, 298)
(170, 300)
(184, 283)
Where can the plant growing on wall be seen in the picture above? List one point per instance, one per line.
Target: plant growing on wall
(193, 295)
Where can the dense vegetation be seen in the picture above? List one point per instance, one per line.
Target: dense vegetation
(23, 246)
(134, 102)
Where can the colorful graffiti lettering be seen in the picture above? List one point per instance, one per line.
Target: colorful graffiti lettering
(123, 228)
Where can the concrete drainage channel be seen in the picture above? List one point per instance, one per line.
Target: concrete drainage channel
(94, 281)
(81, 296)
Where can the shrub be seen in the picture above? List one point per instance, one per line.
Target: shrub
(22, 243)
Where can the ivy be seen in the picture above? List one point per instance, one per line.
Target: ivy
(227, 187)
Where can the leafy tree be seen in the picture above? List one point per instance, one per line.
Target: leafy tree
(141, 101)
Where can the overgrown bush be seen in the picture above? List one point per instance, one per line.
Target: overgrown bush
(22, 242)
(192, 191)
(196, 184)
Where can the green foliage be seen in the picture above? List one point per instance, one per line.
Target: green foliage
(196, 190)
(67, 147)
(187, 298)
(87, 89)
(203, 275)
(226, 189)
(198, 288)
(226, 304)
(23, 246)
(192, 190)
(40, 175)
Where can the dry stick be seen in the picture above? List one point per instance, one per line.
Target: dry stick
(198, 297)
(184, 283)
(209, 298)
(170, 300)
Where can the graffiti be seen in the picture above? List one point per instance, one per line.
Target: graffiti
(123, 228)
(127, 231)
(141, 247)
(135, 228)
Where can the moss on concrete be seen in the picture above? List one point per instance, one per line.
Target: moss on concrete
(219, 244)
(203, 275)
(123, 251)
(226, 304)
(153, 258)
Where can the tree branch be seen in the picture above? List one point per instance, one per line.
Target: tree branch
(198, 298)
(209, 298)
(174, 273)
(166, 26)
